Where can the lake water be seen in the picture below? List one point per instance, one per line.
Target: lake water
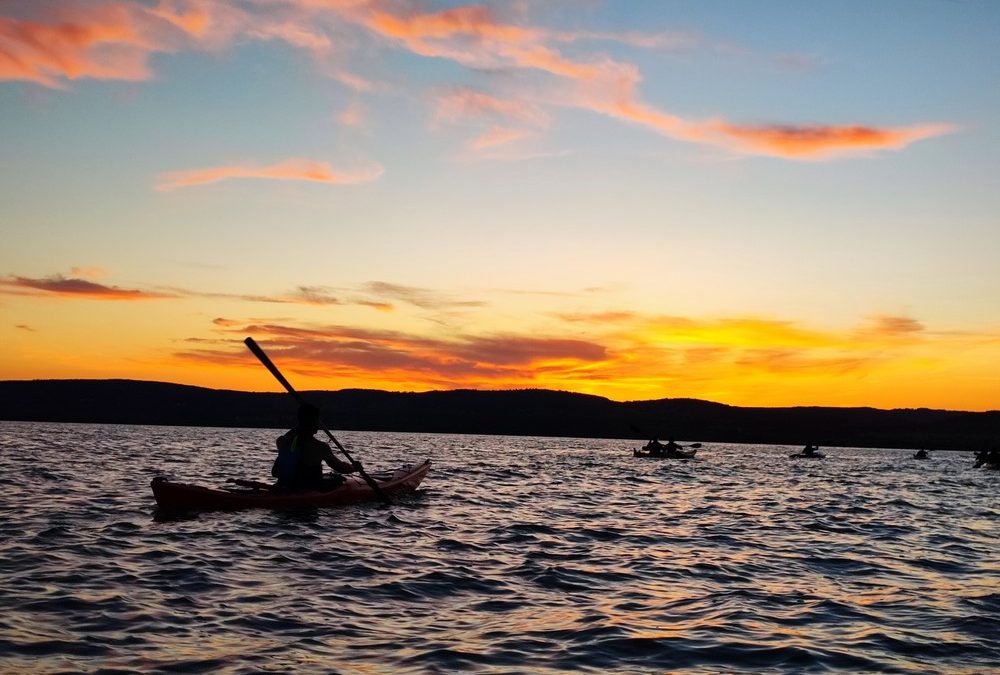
(517, 555)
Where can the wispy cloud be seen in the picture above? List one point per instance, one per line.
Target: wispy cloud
(468, 104)
(612, 317)
(787, 361)
(60, 286)
(292, 169)
(88, 272)
(354, 115)
(506, 120)
(884, 325)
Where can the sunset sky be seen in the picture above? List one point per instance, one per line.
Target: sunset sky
(756, 203)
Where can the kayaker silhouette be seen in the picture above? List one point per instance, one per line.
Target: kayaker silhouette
(809, 450)
(299, 464)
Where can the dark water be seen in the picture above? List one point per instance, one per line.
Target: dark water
(517, 555)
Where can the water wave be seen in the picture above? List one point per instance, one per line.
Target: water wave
(516, 555)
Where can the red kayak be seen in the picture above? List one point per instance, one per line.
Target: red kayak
(171, 496)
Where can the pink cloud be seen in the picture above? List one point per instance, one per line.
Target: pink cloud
(465, 103)
(292, 169)
(497, 136)
(353, 115)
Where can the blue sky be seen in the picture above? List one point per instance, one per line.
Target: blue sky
(808, 188)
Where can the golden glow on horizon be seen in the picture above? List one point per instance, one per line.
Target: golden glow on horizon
(883, 362)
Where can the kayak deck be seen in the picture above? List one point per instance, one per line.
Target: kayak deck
(174, 496)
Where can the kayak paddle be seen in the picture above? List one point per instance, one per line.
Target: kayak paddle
(263, 358)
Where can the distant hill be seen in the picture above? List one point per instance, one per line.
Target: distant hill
(529, 412)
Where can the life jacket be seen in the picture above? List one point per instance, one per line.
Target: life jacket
(286, 464)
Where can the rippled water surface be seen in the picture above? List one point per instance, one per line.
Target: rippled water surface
(516, 555)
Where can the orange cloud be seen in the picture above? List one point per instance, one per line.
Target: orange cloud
(341, 350)
(616, 95)
(471, 20)
(818, 142)
(60, 286)
(224, 323)
(292, 169)
(750, 358)
(104, 42)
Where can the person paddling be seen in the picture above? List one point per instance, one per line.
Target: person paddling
(299, 464)
(809, 451)
(671, 447)
(987, 457)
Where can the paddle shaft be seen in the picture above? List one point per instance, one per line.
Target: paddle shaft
(264, 359)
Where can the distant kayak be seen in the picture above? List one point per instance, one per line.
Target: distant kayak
(921, 454)
(799, 455)
(172, 496)
(673, 454)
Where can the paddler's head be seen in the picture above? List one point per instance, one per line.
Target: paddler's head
(308, 419)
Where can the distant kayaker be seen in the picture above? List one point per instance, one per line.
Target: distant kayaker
(654, 447)
(810, 450)
(987, 457)
(670, 447)
(299, 465)
(920, 454)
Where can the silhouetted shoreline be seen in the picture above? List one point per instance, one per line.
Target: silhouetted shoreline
(529, 412)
